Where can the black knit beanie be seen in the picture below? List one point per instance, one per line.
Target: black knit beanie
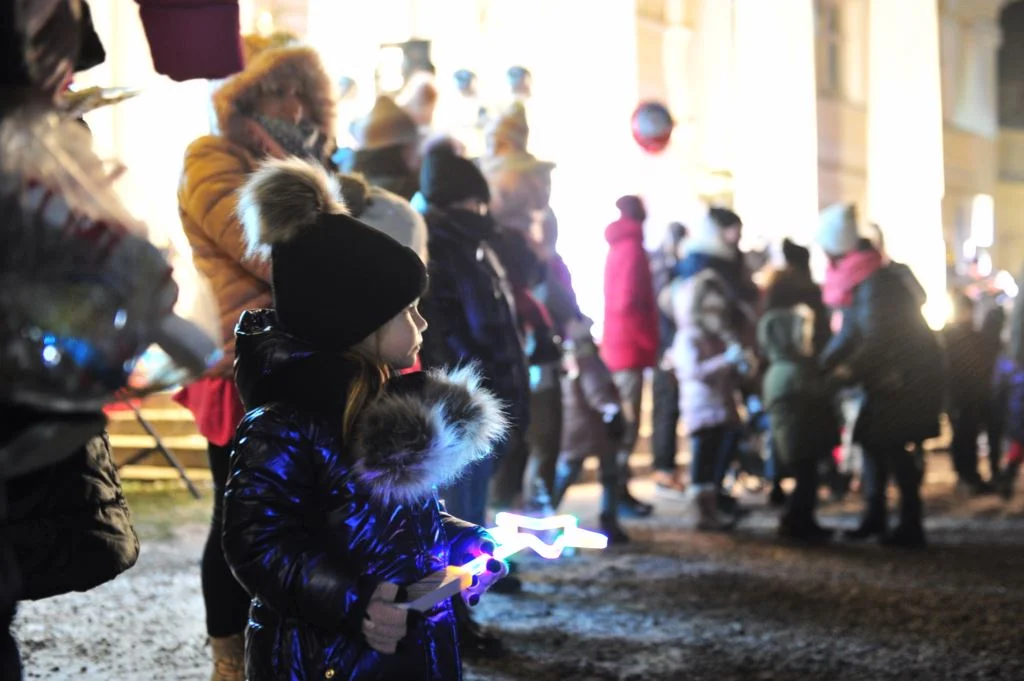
(796, 255)
(335, 279)
(447, 178)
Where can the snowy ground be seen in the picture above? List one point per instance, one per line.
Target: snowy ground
(673, 605)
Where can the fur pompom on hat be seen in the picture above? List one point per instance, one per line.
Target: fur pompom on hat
(838, 233)
(324, 262)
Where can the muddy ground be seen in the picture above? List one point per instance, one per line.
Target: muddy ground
(673, 605)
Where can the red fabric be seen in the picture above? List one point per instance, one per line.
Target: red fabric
(1015, 455)
(532, 313)
(216, 407)
(850, 272)
(193, 38)
(631, 330)
(418, 366)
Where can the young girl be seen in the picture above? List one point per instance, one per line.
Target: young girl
(709, 364)
(331, 514)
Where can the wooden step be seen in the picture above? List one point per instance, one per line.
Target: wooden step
(166, 421)
(190, 449)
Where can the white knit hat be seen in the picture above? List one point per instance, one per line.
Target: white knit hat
(396, 217)
(837, 232)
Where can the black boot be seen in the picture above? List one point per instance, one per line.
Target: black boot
(909, 536)
(475, 642)
(874, 523)
(1007, 480)
(631, 507)
(613, 530)
(805, 530)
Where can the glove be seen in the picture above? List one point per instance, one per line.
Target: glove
(615, 423)
(495, 571)
(735, 354)
(385, 624)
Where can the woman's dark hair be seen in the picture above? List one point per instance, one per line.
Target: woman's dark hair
(723, 217)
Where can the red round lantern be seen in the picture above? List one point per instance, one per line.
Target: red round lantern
(652, 126)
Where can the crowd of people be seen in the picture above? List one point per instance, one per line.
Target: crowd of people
(404, 352)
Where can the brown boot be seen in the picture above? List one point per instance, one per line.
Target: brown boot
(228, 658)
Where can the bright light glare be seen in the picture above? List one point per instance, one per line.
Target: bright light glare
(983, 220)
(1005, 281)
(390, 66)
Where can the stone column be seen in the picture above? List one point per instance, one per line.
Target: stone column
(977, 99)
(776, 113)
(905, 141)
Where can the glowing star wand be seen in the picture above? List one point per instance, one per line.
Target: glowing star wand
(510, 538)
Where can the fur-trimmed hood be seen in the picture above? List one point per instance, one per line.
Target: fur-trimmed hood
(423, 432)
(234, 101)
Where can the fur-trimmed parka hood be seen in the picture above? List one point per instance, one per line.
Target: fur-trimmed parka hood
(268, 69)
(419, 433)
(423, 431)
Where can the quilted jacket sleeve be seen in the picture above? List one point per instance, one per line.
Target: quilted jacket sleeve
(465, 540)
(214, 172)
(273, 541)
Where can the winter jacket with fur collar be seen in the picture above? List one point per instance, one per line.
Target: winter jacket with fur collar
(216, 167)
(313, 524)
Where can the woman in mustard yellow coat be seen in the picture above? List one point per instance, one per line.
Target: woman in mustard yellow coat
(280, 105)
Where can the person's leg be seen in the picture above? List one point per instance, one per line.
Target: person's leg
(798, 522)
(966, 427)
(467, 498)
(227, 603)
(630, 385)
(544, 438)
(910, 530)
(567, 472)
(875, 479)
(665, 421)
(506, 485)
(995, 431)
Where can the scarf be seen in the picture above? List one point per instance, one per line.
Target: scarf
(296, 140)
(849, 273)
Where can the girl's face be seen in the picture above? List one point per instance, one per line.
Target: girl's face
(712, 314)
(285, 103)
(398, 342)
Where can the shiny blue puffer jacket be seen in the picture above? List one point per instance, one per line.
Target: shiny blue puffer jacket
(312, 524)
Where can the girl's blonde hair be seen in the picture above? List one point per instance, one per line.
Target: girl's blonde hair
(367, 384)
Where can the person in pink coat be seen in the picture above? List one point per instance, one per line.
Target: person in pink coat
(630, 343)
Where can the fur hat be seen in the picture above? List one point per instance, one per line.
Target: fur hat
(837, 233)
(324, 261)
(270, 66)
(511, 127)
(446, 178)
(388, 212)
(387, 125)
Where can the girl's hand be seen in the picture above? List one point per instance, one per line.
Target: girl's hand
(495, 571)
(385, 624)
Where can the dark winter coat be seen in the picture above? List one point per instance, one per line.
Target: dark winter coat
(793, 286)
(894, 356)
(969, 370)
(631, 330)
(312, 524)
(68, 523)
(469, 307)
(662, 273)
(798, 403)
